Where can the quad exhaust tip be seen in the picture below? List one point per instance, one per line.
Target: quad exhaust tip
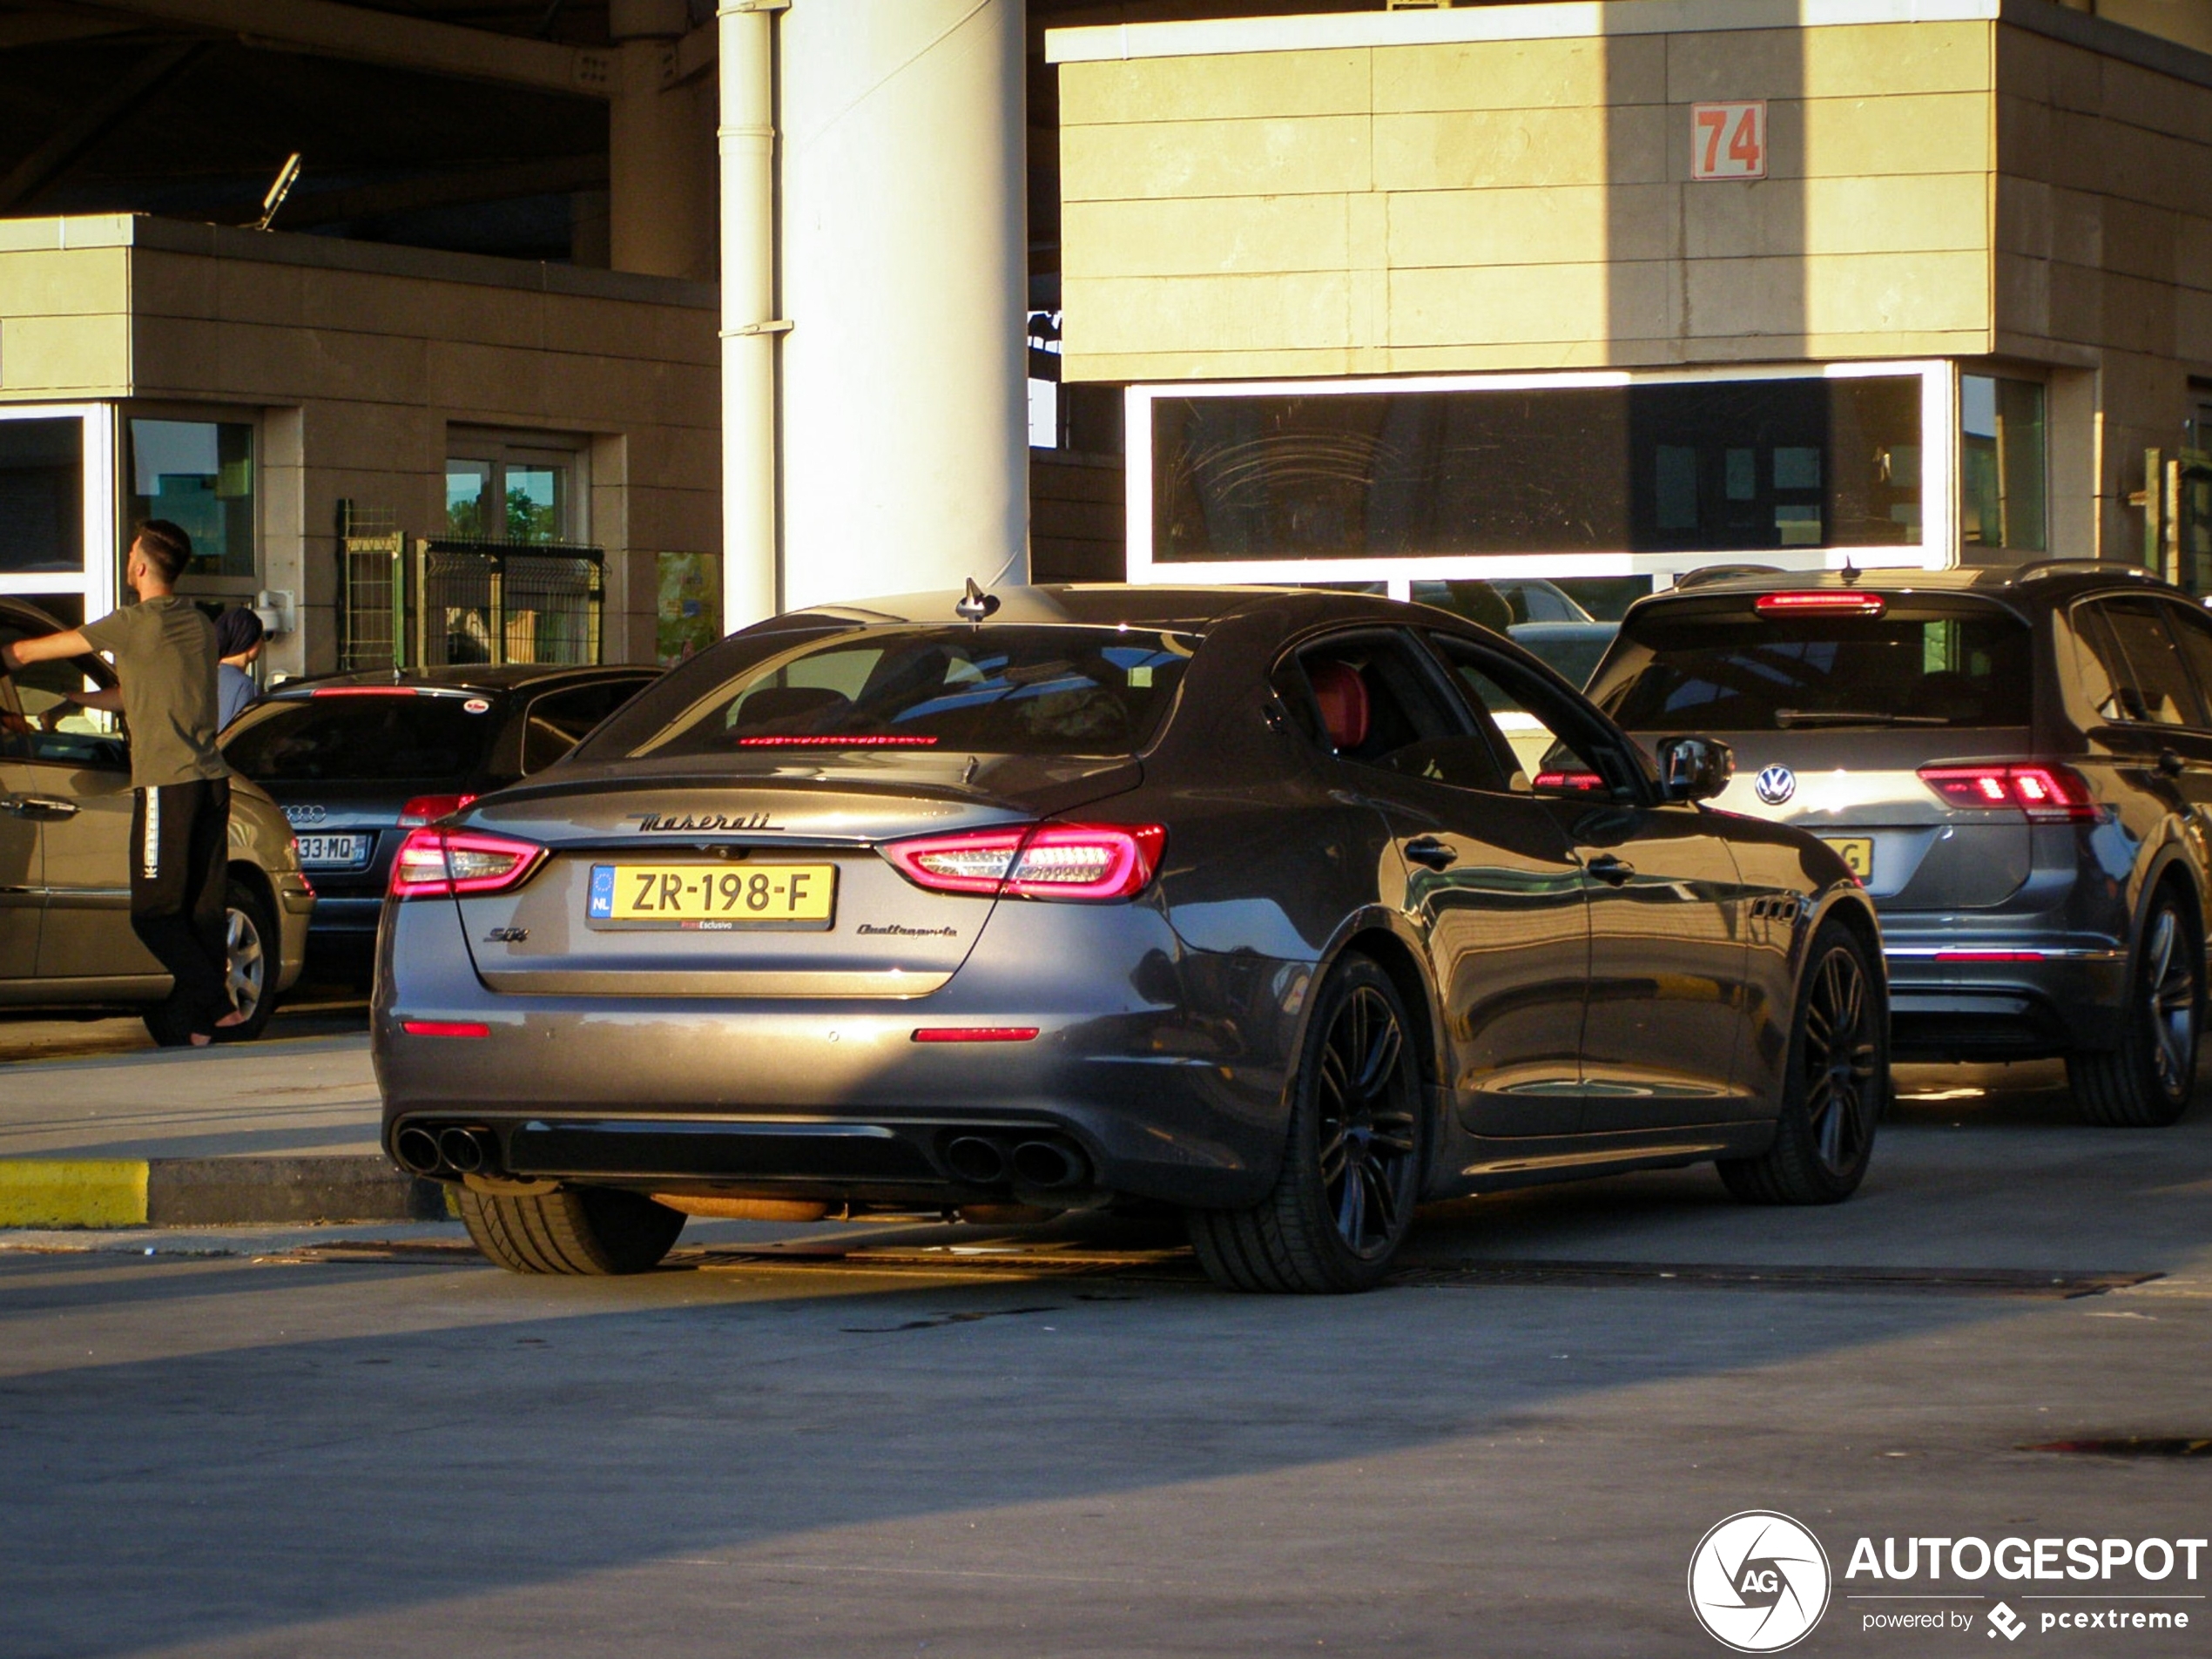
(990, 1160)
(427, 1151)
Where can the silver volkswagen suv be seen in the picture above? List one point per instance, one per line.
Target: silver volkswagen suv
(2016, 763)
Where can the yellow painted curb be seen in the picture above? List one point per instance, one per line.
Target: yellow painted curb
(73, 1192)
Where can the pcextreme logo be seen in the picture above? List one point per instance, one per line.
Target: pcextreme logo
(1759, 1582)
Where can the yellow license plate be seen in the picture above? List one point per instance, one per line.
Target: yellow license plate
(1856, 853)
(713, 896)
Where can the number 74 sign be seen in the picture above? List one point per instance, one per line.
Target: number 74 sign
(1728, 140)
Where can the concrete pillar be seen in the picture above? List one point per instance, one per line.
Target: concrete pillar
(746, 47)
(904, 266)
(660, 149)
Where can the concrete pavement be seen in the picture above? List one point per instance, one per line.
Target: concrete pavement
(293, 1449)
(99, 1128)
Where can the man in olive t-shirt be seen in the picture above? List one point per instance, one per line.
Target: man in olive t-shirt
(164, 656)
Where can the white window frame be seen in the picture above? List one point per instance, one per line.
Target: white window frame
(236, 587)
(96, 581)
(500, 447)
(1937, 549)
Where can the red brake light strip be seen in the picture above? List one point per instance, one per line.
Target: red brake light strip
(1832, 600)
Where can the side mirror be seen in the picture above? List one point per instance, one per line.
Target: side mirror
(1693, 768)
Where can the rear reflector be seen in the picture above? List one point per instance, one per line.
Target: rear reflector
(1989, 956)
(444, 1028)
(426, 809)
(975, 1034)
(1082, 861)
(2044, 793)
(441, 863)
(1832, 601)
(366, 690)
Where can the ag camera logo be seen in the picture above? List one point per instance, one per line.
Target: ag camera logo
(1759, 1582)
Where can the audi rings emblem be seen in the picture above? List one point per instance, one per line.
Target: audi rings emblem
(1776, 784)
(301, 817)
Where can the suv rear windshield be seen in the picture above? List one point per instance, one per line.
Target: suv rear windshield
(1731, 672)
(1012, 690)
(365, 739)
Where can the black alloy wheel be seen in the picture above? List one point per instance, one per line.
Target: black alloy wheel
(2147, 1082)
(1838, 1084)
(1343, 1200)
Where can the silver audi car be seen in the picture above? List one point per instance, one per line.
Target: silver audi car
(1239, 901)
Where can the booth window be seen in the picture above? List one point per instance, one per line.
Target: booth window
(2000, 464)
(199, 475)
(42, 496)
(1690, 466)
(521, 492)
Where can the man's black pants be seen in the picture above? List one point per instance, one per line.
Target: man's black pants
(179, 855)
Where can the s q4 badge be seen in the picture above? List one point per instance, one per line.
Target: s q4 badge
(1776, 784)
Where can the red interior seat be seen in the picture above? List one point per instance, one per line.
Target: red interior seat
(1343, 697)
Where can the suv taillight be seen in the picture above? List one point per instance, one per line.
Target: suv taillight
(440, 863)
(2043, 792)
(1089, 861)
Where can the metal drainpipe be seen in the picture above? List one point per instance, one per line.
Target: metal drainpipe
(750, 327)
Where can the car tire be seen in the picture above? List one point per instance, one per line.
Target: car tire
(251, 941)
(2147, 1082)
(1343, 1200)
(579, 1231)
(253, 948)
(1835, 1087)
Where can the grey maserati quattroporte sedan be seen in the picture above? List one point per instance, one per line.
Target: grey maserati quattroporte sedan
(1233, 901)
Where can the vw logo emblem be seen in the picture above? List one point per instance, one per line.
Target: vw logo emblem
(1776, 784)
(303, 815)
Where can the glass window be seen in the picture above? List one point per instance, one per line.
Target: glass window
(510, 495)
(1727, 671)
(2193, 628)
(558, 721)
(1706, 465)
(42, 496)
(1015, 689)
(2000, 464)
(199, 475)
(1377, 706)
(2156, 688)
(39, 722)
(1540, 737)
(359, 739)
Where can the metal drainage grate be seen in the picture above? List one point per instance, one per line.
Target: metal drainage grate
(2128, 1445)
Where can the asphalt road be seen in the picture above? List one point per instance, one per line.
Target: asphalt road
(234, 1445)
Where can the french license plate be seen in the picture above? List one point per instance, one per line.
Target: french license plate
(712, 897)
(1856, 853)
(329, 852)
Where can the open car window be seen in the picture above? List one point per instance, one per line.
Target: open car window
(38, 722)
(1372, 698)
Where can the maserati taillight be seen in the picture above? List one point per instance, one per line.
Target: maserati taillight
(2044, 792)
(1085, 861)
(441, 863)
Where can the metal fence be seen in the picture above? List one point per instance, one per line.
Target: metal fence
(419, 602)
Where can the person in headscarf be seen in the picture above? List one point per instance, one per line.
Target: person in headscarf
(238, 639)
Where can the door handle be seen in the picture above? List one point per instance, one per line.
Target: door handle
(35, 806)
(1614, 872)
(2171, 764)
(1427, 850)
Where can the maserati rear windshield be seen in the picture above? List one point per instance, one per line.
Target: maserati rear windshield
(1012, 690)
(1731, 672)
